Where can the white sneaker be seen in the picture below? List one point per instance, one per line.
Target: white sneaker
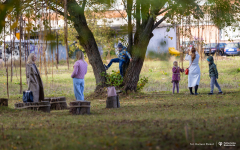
(106, 67)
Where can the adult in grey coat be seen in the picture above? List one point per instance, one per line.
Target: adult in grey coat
(34, 80)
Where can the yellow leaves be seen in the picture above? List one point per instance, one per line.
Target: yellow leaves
(170, 37)
(14, 147)
(9, 17)
(1, 6)
(10, 9)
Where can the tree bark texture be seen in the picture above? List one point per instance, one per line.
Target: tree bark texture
(139, 50)
(113, 102)
(66, 30)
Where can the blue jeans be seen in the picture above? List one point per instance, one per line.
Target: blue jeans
(78, 86)
(214, 82)
(121, 61)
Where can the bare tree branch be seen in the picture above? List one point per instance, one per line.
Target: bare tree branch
(163, 11)
(159, 22)
(59, 11)
(121, 15)
(124, 4)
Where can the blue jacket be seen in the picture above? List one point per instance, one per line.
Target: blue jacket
(123, 54)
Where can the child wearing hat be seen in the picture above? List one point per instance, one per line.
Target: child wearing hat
(122, 58)
(213, 74)
(176, 76)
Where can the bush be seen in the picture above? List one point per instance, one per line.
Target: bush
(113, 79)
(116, 80)
(141, 83)
(238, 70)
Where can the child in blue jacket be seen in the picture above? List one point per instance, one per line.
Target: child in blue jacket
(122, 57)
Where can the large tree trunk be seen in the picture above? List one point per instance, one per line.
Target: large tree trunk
(89, 44)
(139, 50)
(87, 41)
(130, 34)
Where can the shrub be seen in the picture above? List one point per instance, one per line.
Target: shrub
(141, 83)
(238, 70)
(115, 79)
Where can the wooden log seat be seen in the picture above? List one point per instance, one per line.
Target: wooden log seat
(37, 106)
(3, 102)
(113, 102)
(80, 107)
(47, 99)
(58, 103)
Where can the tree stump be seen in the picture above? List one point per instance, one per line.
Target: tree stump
(113, 102)
(58, 103)
(80, 107)
(3, 102)
(37, 106)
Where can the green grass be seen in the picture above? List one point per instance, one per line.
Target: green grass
(152, 119)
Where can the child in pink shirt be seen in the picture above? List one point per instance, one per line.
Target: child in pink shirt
(176, 76)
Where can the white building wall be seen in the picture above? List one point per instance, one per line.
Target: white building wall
(162, 40)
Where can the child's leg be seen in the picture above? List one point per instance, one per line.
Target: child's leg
(218, 86)
(213, 79)
(177, 87)
(113, 61)
(121, 62)
(173, 90)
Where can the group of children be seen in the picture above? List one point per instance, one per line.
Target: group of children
(213, 74)
(123, 56)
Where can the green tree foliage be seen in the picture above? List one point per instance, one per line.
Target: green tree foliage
(223, 12)
(104, 35)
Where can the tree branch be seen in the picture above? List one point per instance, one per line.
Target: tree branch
(84, 4)
(163, 11)
(159, 22)
(59, 11)
(124, 4)
(121, 15)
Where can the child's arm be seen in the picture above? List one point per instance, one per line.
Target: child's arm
(128, 55)
(174, 70)
(75, 70)
(181, 70)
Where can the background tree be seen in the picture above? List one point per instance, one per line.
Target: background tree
(105, 36)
